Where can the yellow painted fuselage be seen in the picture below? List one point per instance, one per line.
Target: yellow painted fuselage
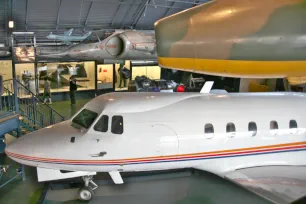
(247, 39)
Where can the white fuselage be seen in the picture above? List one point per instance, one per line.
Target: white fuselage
(166, 131)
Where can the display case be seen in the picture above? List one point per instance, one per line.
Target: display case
(58, 74)
(25, 74)
(152, 72)
(105, 76)
(6, 69)
(122, 79)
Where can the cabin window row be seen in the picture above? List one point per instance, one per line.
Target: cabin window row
(116, 126)
(252, 127)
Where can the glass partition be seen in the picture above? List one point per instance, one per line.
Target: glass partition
(123, 77)
(152, 72)
(58, 74)
(105, 76)
(25, 73)
(6, 71)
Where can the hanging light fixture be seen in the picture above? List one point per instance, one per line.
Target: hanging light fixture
(11, 24)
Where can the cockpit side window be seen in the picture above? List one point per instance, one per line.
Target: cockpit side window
(117, 124)
(102, 124)
(85, 118)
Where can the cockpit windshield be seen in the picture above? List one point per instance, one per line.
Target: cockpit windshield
(85, 118)
(98, 35)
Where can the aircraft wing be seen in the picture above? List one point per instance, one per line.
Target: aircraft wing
(67, 42)
(279, 184)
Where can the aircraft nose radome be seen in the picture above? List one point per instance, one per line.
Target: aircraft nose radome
(20, 147)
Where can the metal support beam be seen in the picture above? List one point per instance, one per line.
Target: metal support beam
(6, 13)
(81, 9)
(86, 20)
(58, 13)
(196, 2)
(143, 10)
(114, 18)
(140, 11)
(166, 13)
(162, 6)
(137, 10)
(125, 14)
(185, 2)
(112, 2)
(26, 14)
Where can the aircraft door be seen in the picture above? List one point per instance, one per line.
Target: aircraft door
(168, 140)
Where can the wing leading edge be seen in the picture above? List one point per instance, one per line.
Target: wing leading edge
(279, 184)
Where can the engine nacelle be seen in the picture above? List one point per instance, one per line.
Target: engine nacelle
(131, 45)
(115, 46)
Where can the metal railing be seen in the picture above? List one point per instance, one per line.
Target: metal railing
(31, 107)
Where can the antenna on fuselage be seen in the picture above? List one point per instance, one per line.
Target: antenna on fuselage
(207, 87)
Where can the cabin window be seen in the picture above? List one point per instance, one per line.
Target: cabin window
(117, 124)
(102, 124)
(273, 127)
(292, 124)
(84, 119)
(209, 128)
(253, 128)
(230, 129)
(209, 131)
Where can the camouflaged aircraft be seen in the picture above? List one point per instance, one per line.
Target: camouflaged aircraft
(241, 38)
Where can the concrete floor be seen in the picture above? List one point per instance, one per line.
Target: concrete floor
(203, 188)
(175, 187)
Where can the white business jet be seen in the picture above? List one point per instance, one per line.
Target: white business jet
(255, 139)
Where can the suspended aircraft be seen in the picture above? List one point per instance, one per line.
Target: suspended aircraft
(4, 52)
(67, 38)
(241, 38)
(243, 137)
(111, 44)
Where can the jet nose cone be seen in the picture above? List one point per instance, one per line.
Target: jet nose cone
(18, 149)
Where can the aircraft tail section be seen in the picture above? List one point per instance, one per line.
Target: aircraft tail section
(69, 32)
(87, 34)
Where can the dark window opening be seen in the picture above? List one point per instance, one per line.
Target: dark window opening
(292, 124)
(273, 125)
(230, 127)
(253, 128)
(117, 124)
(102, 124)
(209, 129)
(85, 118)
(72, 139)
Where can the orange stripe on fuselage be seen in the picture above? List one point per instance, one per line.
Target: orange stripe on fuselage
(237, 68)
(270, 147)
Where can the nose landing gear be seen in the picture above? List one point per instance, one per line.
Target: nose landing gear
(87, 192)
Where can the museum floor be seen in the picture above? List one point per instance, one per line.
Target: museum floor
(201, 189)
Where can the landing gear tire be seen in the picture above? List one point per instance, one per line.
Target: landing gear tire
(86, 193)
